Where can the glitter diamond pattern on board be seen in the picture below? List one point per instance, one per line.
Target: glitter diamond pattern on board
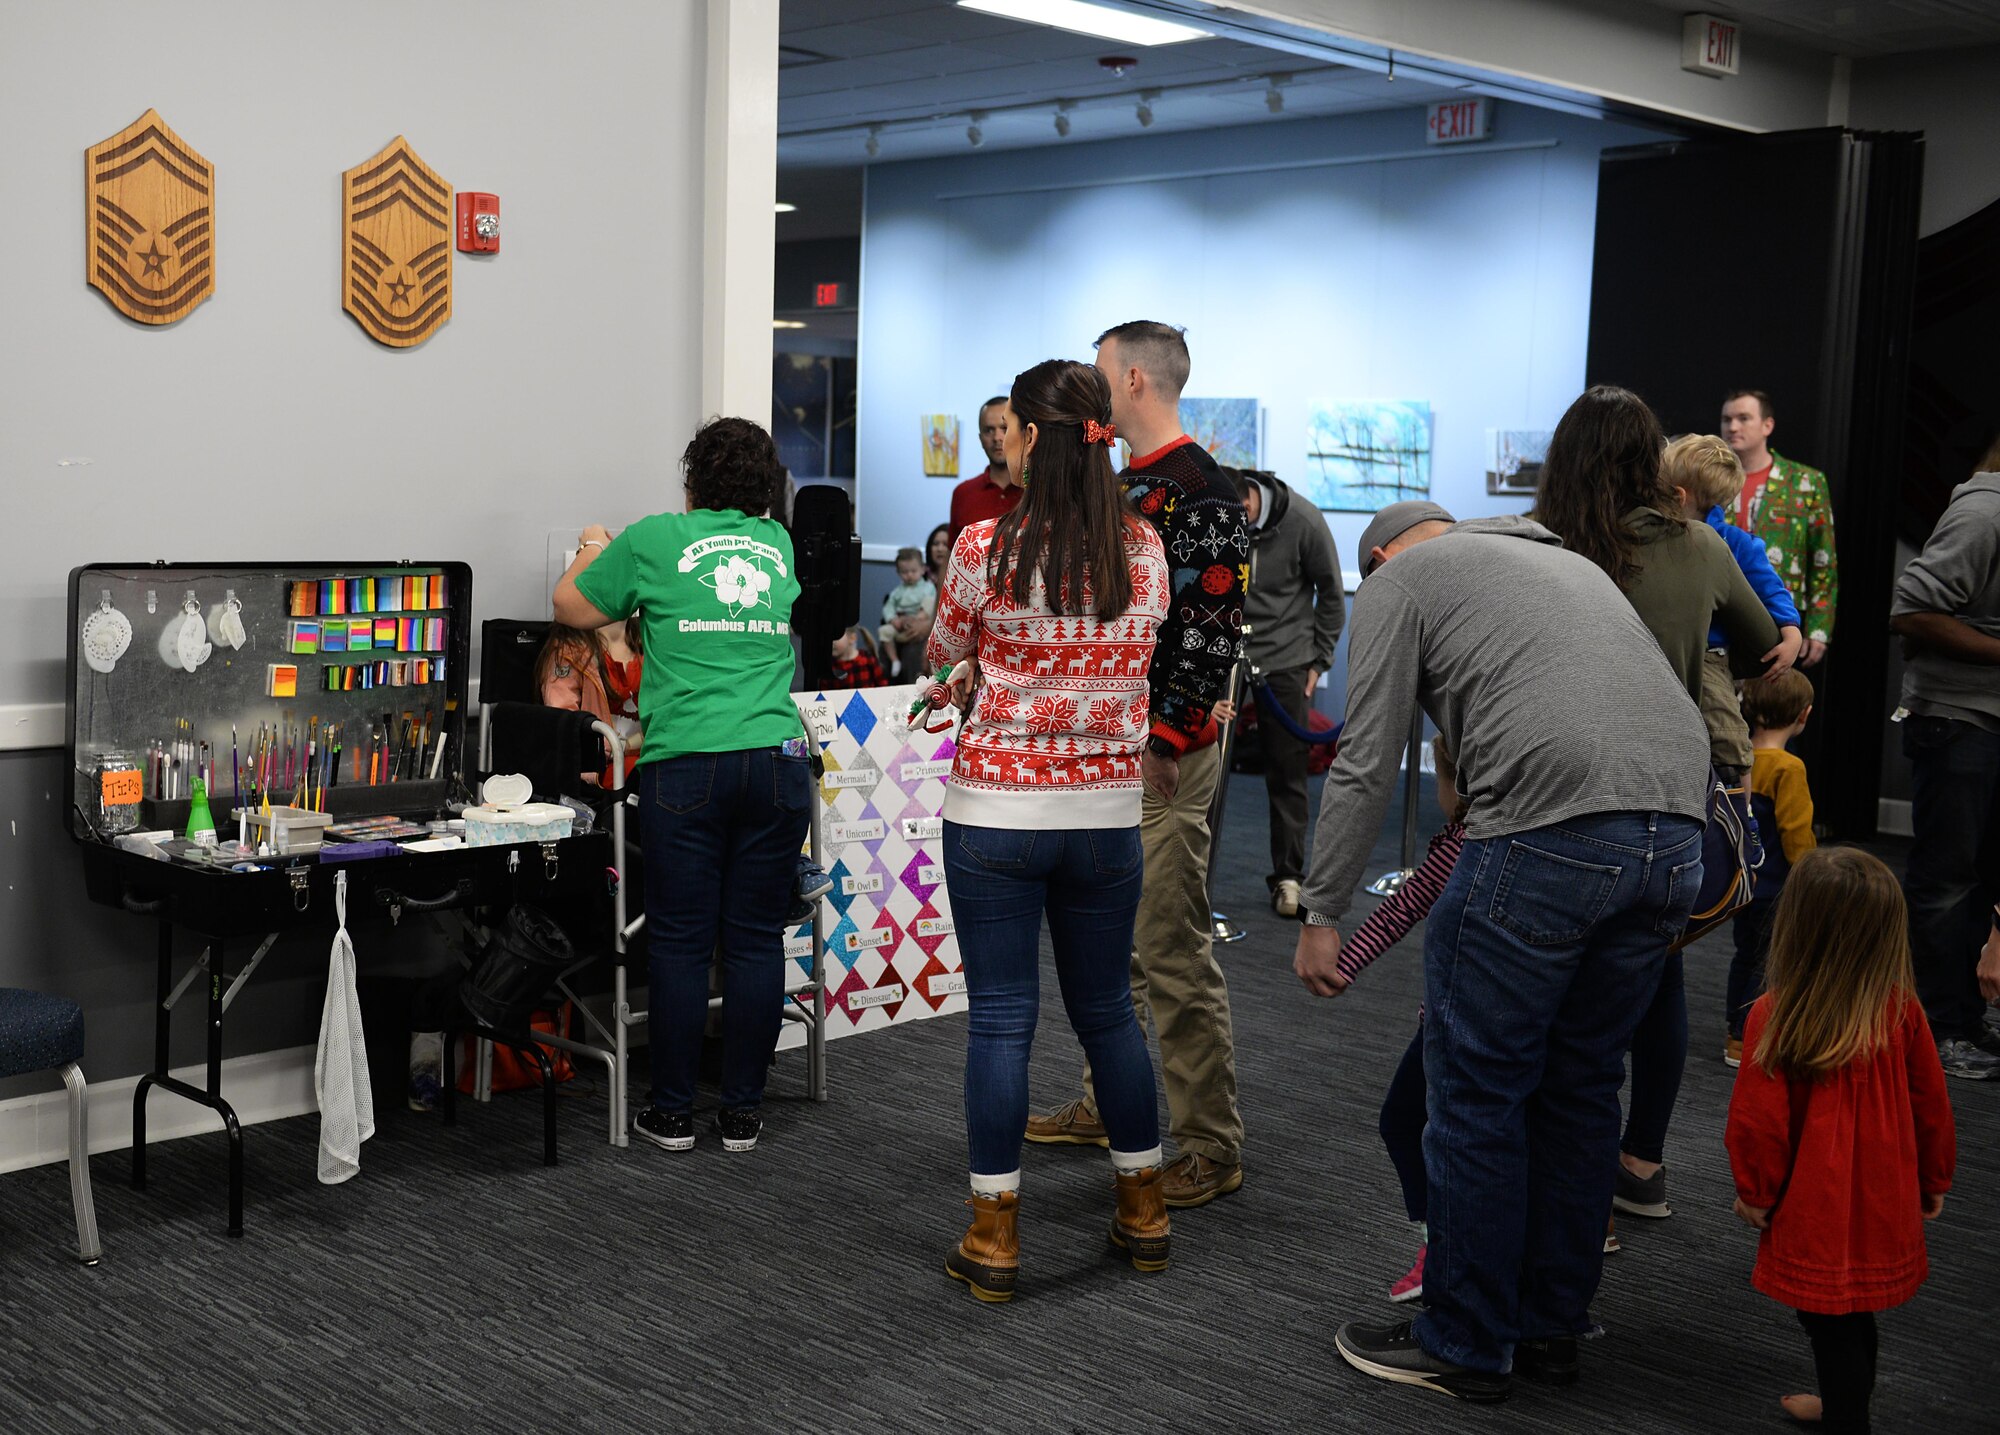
(871, 986)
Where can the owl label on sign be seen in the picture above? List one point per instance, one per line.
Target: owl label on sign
(148, 230)
(396, 231)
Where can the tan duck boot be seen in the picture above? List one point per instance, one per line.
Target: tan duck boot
(989, 1257)
(1141, 1228)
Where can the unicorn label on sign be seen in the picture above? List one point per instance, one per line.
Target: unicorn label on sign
(839, 834)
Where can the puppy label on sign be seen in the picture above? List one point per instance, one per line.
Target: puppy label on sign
(1709, 45)
(1459, 121)
(920, 829)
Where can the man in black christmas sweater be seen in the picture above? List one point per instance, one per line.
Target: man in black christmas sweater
(1177, 486)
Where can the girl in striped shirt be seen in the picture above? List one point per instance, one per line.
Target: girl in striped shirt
(1403, 1107)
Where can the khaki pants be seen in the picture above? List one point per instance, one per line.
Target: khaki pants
(1176, 981)
(1728, 733)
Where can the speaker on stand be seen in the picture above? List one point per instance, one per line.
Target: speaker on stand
(828, 555)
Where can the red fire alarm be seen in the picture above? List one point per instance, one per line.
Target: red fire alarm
(478, 223)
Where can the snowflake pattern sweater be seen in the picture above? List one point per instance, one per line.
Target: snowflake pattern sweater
(1181, 491)
(1054, 736)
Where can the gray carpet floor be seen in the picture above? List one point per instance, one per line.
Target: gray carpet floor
(459, 1285)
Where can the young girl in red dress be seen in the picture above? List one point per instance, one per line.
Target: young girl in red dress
(1840, 1134)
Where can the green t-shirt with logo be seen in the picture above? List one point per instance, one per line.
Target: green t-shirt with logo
(714, 589)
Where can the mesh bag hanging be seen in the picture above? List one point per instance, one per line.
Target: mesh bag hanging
(340, 1075)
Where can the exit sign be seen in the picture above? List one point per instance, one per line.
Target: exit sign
(829, 296)
(1459, 121)
(1709, 45)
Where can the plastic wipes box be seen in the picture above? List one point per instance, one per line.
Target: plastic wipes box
(288, 829)
(490, 826)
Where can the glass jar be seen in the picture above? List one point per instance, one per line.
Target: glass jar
(120, 784)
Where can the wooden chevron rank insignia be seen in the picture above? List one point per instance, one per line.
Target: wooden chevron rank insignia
(149, 222)
(396, 246)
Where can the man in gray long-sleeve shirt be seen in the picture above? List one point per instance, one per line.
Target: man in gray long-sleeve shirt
(1292, 615)
(1584, 764)
(1947, 608)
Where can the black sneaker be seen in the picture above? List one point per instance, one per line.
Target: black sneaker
(669, 1131)
(1391, 1352)
(738, 1129)
(1986, 1038)
(1646, 1198)
(1547, 1362)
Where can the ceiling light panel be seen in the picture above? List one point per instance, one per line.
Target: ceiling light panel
(1086, 19)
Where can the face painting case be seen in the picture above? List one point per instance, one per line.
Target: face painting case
(274, 646)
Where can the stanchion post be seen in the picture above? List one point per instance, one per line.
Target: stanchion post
(1390, 883)
(1221, 929)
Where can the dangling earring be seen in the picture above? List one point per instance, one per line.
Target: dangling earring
(1024, 472)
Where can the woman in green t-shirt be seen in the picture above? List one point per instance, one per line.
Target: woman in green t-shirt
(725, 783)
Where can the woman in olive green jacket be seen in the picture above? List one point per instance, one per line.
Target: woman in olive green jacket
(1601, 490)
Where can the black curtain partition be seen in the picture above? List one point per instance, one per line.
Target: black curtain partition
(1782, 262)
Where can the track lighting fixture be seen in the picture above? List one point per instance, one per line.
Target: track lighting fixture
(1274, 97)
(1144, 113)
(1062, 119)
(974, 135)
(874, 145)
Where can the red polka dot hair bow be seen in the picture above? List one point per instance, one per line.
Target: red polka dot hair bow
(1095, 432)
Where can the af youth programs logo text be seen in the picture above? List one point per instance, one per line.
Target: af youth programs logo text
(738, 571)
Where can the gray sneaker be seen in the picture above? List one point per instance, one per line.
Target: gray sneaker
(1646, 1199)
(1967, 1059)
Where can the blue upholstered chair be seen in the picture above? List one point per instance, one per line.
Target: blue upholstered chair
(45, 1033)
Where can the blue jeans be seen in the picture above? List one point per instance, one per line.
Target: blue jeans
(1087, 881)
(1950, 880)
(723, 831)
(1402, 1127)
(1539, 958)
(1659, 1059)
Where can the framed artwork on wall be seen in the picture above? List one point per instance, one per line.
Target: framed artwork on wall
(1514, 460)
(940, 432)
(1363, 456)
(1230, 429)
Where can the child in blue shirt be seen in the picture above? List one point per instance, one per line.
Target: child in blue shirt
(1708, 476)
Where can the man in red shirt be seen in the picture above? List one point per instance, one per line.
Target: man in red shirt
(993, 492)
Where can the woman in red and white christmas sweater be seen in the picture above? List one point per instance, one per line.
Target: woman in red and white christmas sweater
(1058, 602)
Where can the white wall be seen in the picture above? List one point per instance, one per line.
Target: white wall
(1952, 97)
(265, 425)
(1461, 277)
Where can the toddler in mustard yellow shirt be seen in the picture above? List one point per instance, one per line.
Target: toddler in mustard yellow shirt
(1776, 710)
